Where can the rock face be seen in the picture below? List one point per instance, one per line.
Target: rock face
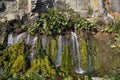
(115, 5)
(99, 8)
(10, 8)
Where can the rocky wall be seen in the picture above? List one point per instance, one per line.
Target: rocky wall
(8, 9)
(95, 8)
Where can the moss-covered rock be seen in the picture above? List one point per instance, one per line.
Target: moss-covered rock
(43, 67)
(53, 49)
(19, 65)
(83, 50)
(9, 56)
(66, 62)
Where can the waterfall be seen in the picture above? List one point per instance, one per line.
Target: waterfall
(28, 38)
(89, 50)
(10, 40)
(44, 42)
(19, 37)
(33, 48)
(58, 61)
(75, 56)
(75, 53)
(44, 45)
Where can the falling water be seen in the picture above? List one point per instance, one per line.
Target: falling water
(19, 37)
(10, 39)
(74, 49)
(89, 50)
(75, 53)
(44, 42)
(33, 48)
(28, 38)
(58, 61)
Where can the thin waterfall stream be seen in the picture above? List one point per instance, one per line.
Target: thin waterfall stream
(58, 61)
(10, 40)
(76, 53)
(33, 48)
(89, 50)
(44, 45)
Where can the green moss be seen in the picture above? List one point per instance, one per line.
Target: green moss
(2, 40)
(88, 52)
(9, 56)
(65, 67)
(19, 65)
(38, 48)
(48, 47)
(53, 49)
(117, 75)
(36, 65)
(43, 66)
(84, 53)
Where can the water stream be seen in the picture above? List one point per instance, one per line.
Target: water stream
(12, 40)
(44, 42)
(44, 45)
(33, 48)
(89, 50)
(58, 61)
(76, 53)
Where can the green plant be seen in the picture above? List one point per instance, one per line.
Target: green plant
(33, 29)
(116, 27)
(68, 78)
(57, 22)
(86, 78)
(107, 29)
(33, 76)
(117, 75)
(116, 31)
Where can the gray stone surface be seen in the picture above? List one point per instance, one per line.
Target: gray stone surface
(115, 5)
(76, 5)
(9, 9)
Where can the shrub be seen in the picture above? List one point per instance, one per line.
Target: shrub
(56, 22)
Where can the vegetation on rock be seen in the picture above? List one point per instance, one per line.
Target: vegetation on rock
(14, 59)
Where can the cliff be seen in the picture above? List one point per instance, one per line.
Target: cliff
(9, 9)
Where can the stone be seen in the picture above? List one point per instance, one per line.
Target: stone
(99, 8)
(115, 5)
